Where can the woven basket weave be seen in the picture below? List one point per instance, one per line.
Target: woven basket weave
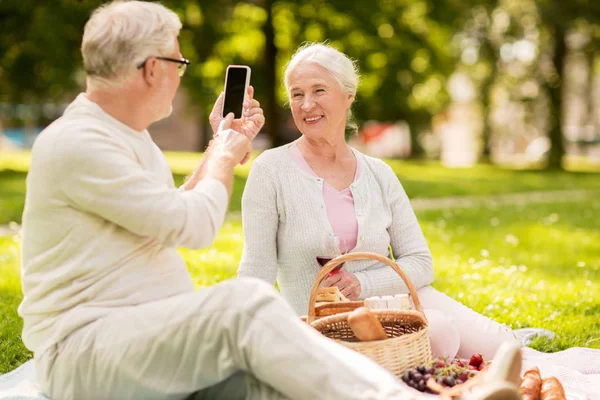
(407, 345)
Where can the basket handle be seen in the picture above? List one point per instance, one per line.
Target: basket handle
(327, 268)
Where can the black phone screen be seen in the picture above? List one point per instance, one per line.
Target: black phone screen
(234, 92)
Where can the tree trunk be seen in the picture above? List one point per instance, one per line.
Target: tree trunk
(487, 109)
(270, 108)
(557, 150)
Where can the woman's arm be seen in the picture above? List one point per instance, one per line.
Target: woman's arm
(408, 245)
(260, 221)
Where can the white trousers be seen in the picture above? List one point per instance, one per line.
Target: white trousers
(235, 340)
(456, 330)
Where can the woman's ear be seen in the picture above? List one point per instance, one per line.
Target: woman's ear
(349, 100)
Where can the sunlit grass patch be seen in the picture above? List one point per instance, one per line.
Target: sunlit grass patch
(536, 265)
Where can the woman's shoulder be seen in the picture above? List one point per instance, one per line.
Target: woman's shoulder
(376, 165)
(274, 157)
(272, 164)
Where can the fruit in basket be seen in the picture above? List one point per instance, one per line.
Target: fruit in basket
(447, 373)
(476, 360)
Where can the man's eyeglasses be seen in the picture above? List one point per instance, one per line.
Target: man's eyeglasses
(181, 68)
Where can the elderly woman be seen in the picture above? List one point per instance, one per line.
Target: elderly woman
(318, 196)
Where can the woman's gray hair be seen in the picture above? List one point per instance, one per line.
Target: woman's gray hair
(343, 69)
(121, 35)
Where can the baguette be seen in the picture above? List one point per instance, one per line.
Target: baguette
(531, 385)
(552, 389)
(365, 325)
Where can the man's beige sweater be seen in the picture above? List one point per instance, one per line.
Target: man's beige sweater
(102, 224)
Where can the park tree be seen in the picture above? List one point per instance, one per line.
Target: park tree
(545, 23)
(39, 50)
(404, 48)
(401, 49)
(558, 18)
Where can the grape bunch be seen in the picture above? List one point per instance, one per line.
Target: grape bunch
(447, 373)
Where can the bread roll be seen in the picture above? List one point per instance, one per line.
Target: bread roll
(365, 325)
(552, 389)
(328, 294)
(531, 384)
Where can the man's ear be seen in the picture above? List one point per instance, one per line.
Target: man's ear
(151, 71)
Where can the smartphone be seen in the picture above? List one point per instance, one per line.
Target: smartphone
(237, 80)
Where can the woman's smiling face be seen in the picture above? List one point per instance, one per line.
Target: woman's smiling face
(319, 105)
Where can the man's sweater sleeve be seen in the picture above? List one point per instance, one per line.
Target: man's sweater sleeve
(260, 222)
(101, 175)
(408, 244)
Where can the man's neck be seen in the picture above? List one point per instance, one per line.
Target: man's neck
(122, 105)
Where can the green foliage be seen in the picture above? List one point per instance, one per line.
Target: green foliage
(406, 49)
(401, 48)
(39, 48)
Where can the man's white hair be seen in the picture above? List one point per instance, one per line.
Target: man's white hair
(120, 35)
(343, 69)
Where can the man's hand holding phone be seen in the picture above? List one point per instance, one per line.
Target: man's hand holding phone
(227, 150)
(251, 122)
(238, 98)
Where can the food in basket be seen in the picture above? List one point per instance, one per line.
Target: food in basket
(552, 389)
(408, 340)
(325, 309)
(365, 326)
(398, 302)
(375, 303)
(441, 374)
(330, 294)
(476, 360)
(531, 384)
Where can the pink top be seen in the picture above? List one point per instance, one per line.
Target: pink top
(339, 204)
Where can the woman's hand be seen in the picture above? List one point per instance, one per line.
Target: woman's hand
(346, 282)
(252, 119)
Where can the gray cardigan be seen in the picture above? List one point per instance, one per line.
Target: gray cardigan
(286, 226)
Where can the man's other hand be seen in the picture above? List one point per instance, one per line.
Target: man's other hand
(230, 143)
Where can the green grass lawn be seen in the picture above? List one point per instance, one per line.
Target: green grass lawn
(420, 179)
(535, 265)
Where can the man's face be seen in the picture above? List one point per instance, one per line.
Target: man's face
(167, 87)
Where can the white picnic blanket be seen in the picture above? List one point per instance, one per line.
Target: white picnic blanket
(21, 384)
(577, 368)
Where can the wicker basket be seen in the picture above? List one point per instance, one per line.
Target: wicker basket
(407, 345)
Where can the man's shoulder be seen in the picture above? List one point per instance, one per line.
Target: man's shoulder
(73, 133)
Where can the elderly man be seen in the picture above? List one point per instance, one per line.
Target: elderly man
(109, 308)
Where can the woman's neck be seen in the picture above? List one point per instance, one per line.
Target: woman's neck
(325, 149)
